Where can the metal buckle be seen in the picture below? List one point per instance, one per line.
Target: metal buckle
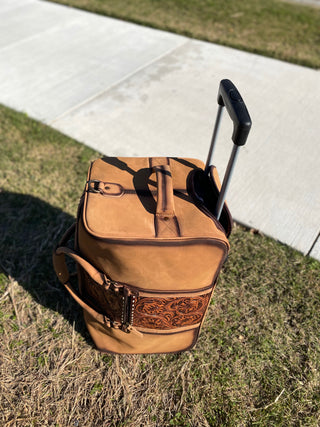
(110, 189)
(93, 188)
(128, 297)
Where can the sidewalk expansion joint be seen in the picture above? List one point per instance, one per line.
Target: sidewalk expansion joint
(313, 244)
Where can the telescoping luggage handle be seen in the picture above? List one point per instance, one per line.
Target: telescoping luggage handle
(229, 97)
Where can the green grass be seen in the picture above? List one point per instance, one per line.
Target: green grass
(275, 28)
(257, 359)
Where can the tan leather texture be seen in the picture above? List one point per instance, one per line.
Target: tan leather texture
(148, 250)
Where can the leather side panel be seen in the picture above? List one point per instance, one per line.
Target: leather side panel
(115, 341)
(152, 265)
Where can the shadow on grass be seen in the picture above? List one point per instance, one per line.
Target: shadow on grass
(29, 229)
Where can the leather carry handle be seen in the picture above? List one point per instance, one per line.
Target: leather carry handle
(61, 269)
(60, 265)
(165, 202)
(166, 223)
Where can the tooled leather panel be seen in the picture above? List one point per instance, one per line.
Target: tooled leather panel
(169, 313)
(148, 312)
(103, 300)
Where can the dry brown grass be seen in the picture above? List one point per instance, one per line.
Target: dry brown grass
(257, 359)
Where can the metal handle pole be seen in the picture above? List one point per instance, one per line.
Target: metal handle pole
(214, 138)
(226, 181)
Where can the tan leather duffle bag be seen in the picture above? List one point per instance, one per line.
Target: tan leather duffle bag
(148, 250)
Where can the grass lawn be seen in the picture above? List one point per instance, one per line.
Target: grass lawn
(276, 28)
(256, 362)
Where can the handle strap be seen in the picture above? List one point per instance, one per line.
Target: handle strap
(61, 269)
(166, 223)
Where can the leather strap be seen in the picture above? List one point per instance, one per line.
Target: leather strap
(165, 202)
(61, 269)
(166, 223)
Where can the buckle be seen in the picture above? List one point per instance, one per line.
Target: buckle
(105, 188)
(128, 300)
(93, 185)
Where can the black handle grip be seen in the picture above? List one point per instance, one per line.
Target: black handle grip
(230, 97)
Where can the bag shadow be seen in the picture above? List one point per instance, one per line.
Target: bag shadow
(29, 230)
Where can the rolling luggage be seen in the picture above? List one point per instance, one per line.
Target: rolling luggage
(151, 236)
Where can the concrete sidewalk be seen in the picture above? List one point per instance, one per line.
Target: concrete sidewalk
(128, 90)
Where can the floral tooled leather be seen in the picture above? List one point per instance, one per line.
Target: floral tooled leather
(148, 312)
(169, 313)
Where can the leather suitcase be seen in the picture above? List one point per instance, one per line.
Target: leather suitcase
(149, 248)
